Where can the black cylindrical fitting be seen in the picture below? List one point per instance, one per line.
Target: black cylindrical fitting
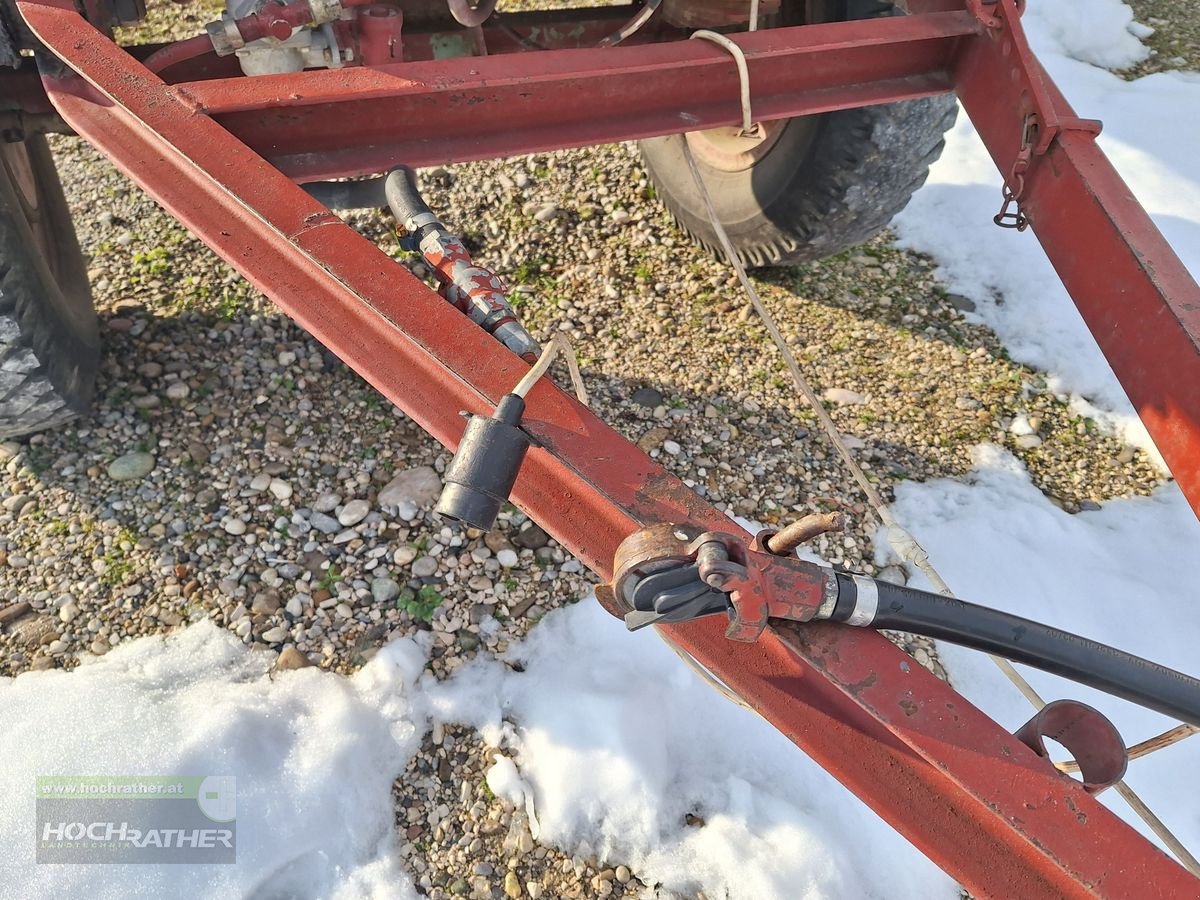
(484, 469)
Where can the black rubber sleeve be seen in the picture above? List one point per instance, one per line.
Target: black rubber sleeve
(1041, 646)
(400, 188)
(365, 193)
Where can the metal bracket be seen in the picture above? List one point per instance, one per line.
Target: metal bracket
(1041, 122)
(1088, 736)
(668, 573)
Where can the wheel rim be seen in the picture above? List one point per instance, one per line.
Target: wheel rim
(729, 150)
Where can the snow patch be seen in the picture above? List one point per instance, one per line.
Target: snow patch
(617, 742)
(314, 756)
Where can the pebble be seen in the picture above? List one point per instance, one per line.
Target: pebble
(672, 448)
(531, 537)
(280, 489)
(326, 503)
(353, 512)
(260, 482)
(324, 524)
(424, 567)
(843, 397)
(384, 590)
(68, 611)
(131, 466)
(234, 526)
(648, 397)
(404, 555)
(507, 558)
(275, 635)
(418, 486)
(177, 390)
(291, 658)
(512, 885)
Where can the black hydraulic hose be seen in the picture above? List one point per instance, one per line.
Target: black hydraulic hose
(405, 201)
(1021, 640)
(366, 193)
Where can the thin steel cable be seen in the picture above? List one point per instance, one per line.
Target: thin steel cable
(902, 541)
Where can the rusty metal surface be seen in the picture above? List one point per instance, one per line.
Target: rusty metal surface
(964, 790)
(1086, 734)
(323, 124)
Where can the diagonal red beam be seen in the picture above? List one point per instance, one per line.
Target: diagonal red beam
(1138, 299)
(982, 805)
(321, 124)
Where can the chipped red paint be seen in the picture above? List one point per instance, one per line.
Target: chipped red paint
(958, 785)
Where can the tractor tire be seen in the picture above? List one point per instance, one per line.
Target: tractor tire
(49, 341)
(808, 187)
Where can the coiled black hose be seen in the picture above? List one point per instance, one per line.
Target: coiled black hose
(1021, 640)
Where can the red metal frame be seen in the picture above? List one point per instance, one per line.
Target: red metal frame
(963, 789)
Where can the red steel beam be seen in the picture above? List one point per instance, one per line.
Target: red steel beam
(322, 124)
(964, 790)
(1138, 299)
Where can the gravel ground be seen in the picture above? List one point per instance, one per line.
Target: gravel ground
(233, 470)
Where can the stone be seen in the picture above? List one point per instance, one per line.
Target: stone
(326, 503)
(843, 397)
(1029, 441)
(652, 439)
(623, 874)
(419, 486)
(280, 489)
(405, 554)
(353, 512)
(198, 452)
(324, 524)
(531, 537)
(265, 603)
(234, 526)
(291, 658)
(512, 885)
(507, 558)
(14, 612)
(177, 390)
(68, 611)
(295, 607)
(384, 590)
(496, 541)
(424, 567)
(959, 302)
(275, 635)
(648, 397)
(467, 640)
(260, 482)
(672, 448)
(131, 466)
